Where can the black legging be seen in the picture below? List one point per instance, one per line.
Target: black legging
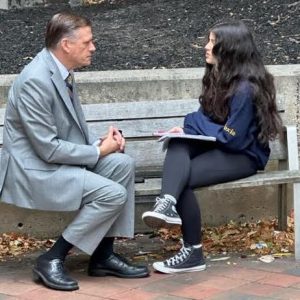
(190, 164)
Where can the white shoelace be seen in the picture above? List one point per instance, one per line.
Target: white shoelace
(179, 257)
(161, 204)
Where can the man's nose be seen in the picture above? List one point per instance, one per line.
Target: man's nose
(92, 47)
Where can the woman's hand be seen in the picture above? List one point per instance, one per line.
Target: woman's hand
(176, 129)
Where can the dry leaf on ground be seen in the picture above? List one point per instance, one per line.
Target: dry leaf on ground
(261, 237)
(13, 244)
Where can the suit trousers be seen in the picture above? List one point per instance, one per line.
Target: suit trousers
(107, 208)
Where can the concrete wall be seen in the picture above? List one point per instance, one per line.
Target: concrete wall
(11, 4)
(116, 86)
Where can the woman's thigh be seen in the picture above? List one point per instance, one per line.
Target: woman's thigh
(217, 166)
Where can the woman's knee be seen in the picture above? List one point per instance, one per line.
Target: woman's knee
(177, 143)
(179, 147)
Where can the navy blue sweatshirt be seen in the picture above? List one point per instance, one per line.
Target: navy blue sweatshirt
(239, 133)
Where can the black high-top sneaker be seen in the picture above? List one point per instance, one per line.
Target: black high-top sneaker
(163, 214)
(188, 259)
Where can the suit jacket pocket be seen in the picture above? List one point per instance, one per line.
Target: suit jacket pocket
(37, 164)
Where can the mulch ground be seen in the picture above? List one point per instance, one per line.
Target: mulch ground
(146, 34)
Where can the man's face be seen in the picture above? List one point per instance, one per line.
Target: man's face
(81, 47)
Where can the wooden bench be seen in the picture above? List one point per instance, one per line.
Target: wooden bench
(138, 120)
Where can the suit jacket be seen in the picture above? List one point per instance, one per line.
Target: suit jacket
(46, 144)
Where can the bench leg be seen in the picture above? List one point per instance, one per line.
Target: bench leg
(296, 202)
(282, 206)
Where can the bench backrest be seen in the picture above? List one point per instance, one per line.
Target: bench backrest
(138, 121)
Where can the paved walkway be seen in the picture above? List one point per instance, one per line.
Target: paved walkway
(235, 278)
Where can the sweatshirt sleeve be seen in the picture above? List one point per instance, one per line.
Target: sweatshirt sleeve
(234, 134)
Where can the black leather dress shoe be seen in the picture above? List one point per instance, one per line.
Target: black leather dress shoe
(53, 275)
(117, 266)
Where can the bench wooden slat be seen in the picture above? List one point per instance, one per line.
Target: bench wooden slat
(139, 110)
(152, 150)
(146, 109)
(152, 186)
(149, 152)
(137, 128)
(134, 110)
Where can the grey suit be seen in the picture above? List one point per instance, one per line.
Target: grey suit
(48, 161)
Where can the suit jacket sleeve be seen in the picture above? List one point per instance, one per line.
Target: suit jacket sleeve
(93, 138)
(34, 108)
(234, 134)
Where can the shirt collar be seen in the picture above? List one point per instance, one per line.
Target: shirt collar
(62, 69)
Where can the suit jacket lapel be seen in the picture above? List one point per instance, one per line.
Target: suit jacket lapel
(61, 88)
(79, 113)
(63, 92)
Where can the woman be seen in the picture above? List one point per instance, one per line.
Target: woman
(238, 108)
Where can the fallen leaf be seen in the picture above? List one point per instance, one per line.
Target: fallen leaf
(260, 238)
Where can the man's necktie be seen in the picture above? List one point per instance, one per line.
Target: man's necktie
(69, 84)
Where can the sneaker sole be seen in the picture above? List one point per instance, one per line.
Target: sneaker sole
(155, 220)
(161, 268)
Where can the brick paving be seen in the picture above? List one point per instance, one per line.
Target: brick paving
(233, 279)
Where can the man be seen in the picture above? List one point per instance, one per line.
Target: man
(50, 162)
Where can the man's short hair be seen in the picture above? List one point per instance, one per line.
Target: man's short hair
(61, 25)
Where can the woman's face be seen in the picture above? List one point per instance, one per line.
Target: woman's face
(210, 59)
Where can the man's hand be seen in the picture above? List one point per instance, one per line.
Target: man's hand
(109, 144)
(119, 138)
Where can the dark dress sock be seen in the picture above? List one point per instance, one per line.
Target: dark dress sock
(60, 249)
(104, 249)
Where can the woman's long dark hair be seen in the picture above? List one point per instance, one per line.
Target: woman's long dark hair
(238, 59)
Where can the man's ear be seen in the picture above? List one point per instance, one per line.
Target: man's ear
(65, 45)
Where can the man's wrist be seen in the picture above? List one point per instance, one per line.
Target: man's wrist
(103, 151)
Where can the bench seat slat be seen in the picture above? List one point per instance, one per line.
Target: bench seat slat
(152, 186)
